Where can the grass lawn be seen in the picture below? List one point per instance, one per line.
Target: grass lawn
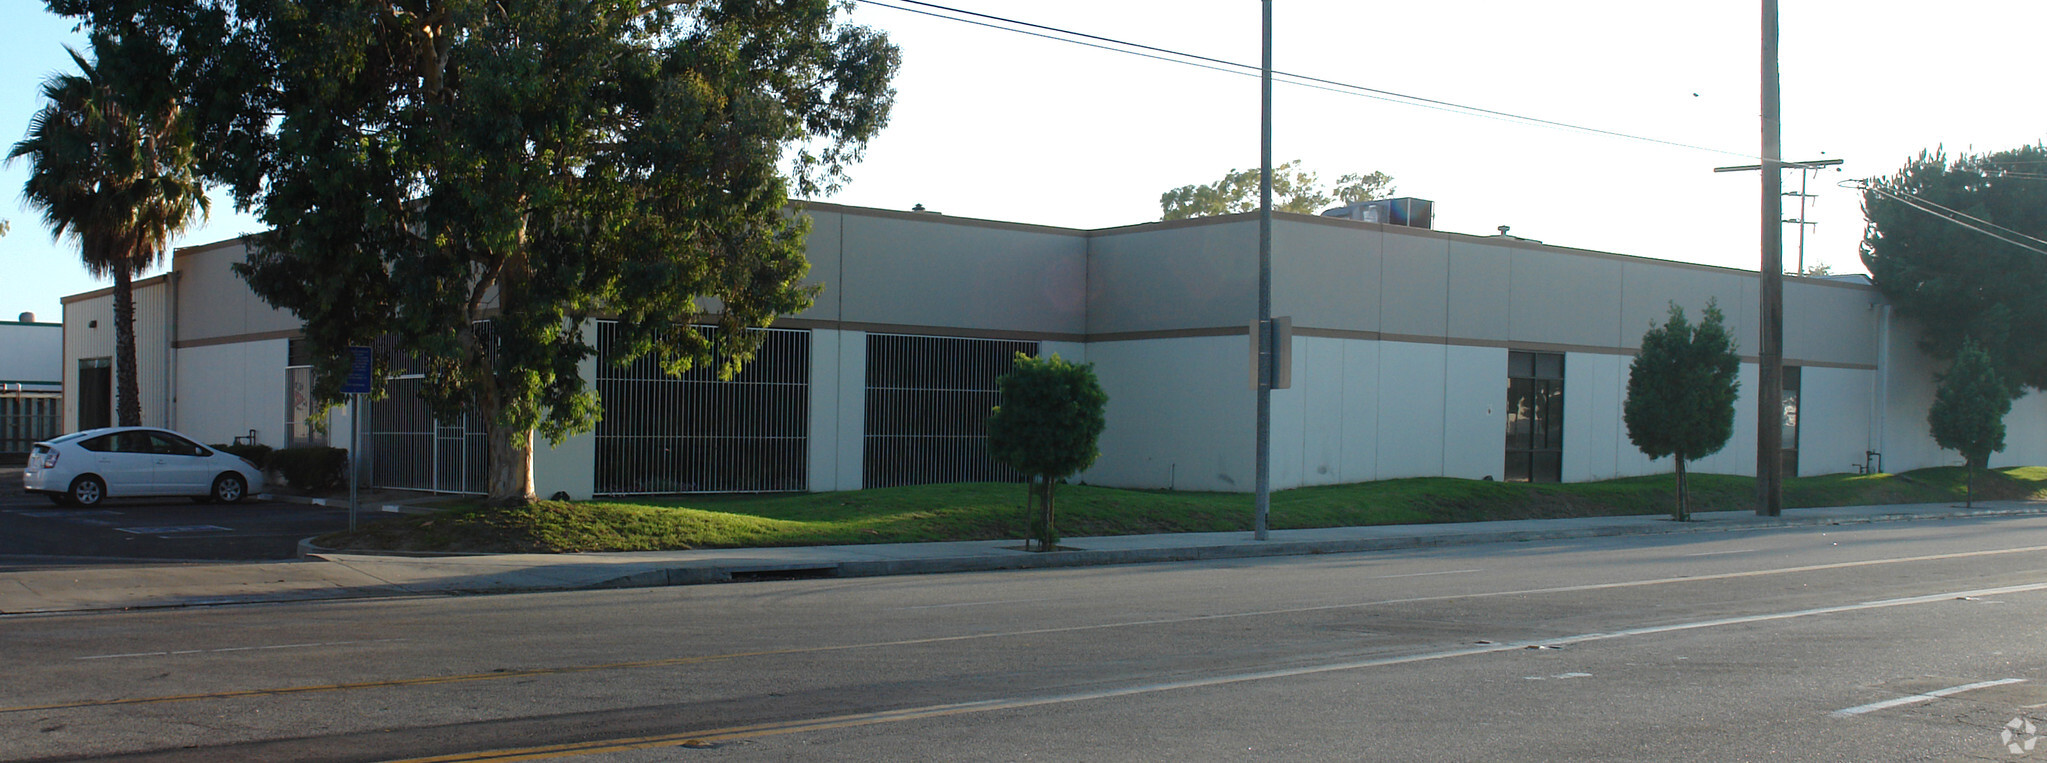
(992, 511)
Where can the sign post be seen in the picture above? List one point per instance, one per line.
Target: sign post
(360, 364)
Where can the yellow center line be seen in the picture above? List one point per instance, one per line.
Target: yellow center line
(675, 661)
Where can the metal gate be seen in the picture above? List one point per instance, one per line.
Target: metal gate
(27, 418)
(928, 400)
(693, 433)
(411, 450)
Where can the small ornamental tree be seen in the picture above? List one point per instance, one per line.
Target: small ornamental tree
(1968, 411)
(1681, 392)
(1046, 427)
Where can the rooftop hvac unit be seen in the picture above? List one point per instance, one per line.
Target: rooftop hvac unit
(1407, 211)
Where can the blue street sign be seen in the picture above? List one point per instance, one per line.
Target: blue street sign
(359, 363)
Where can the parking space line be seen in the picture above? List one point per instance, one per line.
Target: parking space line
(1918, 698)
(174, 530)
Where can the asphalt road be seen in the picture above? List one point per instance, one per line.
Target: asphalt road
(37, 533)
(1901, 641)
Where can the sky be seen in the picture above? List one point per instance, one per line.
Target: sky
(997, 125)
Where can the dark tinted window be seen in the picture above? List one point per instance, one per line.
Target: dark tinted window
(1535, 417)
(133, 442)
(173, 445)
(101, 444)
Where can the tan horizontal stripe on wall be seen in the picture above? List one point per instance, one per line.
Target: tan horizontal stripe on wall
(1132, 336)
(900, 328)
(260, 336)
(1379, 336)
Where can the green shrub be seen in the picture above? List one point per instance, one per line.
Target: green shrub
(313, 468)
(257, 454)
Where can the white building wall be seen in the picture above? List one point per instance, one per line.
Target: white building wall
(1359, 438)
(1909, 388)
(1739, 457)
(89, 333)
(1594, 435)
(1326, 428)
(31, 356)
(851, 422)
(1071, 352)
(1833, 419)
(1312, 413)
(255, 372)
(834, 457)
(1185, 414)
(1474, 415)
(571, 466)
(1412, 386)
(2025, 433)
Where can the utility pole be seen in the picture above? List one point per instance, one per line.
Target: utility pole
(1770, 371)
(1264, 338)
(1807, 168)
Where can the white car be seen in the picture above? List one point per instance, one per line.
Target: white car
(84, 468)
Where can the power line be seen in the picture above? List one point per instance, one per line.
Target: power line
(1231, 67)
(1957, 217)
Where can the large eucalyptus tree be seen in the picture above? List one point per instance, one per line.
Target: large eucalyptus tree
(474, 179)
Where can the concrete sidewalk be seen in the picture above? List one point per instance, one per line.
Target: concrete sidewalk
(338, 575)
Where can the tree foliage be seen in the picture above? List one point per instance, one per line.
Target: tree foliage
(115, 171)
(473, 180)
(1051, 416)
(1293, 190)
(1959, 283)
(1968, 410)
(1681, 392)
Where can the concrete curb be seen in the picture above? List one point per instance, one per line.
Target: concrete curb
(344, 574)
(696, 573)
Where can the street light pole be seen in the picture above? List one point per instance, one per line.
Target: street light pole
(1264, 338)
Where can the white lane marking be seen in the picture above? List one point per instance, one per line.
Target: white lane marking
(1012, 703)
(1451, 597)
(1514, 646)
(1559, 676)
(1718, 553)
(1422, 574)
(1927, 697)
(235, 649)
(972, 604)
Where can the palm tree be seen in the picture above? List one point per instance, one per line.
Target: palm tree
(120, 179)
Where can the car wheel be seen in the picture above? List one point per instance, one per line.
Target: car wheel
(87, 491)
(229, 488)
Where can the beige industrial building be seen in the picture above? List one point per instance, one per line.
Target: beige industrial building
(1416, 352)
(31, 382)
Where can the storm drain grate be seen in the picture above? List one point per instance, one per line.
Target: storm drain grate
(802, 573)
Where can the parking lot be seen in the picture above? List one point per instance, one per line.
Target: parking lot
(36, 533)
